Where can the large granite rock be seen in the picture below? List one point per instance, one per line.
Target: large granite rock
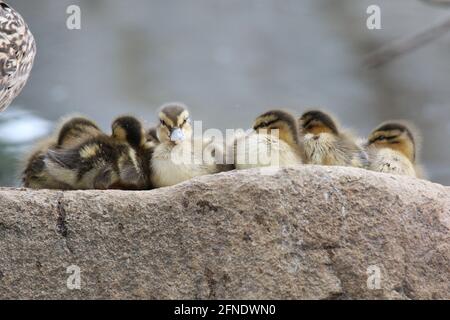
(298, 233)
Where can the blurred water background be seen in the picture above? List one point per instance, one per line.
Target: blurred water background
(230, 60)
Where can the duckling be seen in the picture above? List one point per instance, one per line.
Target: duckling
(179, 156)
(128, 129)
(274, 141)
(70, 132)
(102, 161)
(75, 130)
(325, 144)
(393, 148)
(35, 174)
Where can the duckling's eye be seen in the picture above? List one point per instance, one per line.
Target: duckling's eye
(381, 138)
(185, 121)
(163, 123)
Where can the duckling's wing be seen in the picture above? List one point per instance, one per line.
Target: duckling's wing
(104, 179)
(65, 158)
(34, 171)
(131, 176)
(38, 176)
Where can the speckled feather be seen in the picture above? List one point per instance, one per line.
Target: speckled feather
(17, 52)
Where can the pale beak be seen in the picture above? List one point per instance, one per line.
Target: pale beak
(177, 135)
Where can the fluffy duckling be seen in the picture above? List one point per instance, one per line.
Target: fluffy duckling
(273, 142)
(179, 156)
(35, 174)
(76, 130)
(392, 148)
(325, 144)
(71, 132)
(128, 129)
(103, 162)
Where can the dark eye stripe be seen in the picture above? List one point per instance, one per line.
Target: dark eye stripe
(382, 138)
(306, 124)
(265, 124)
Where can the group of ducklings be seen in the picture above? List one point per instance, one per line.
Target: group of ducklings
(81, 156)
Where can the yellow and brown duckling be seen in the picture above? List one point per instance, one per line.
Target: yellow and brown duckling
(325, 143)
(179, 156)
(102, 161)
(35, 174)
(128, 129)
(76, 130)
(273, 142)
(393, 148)
(71, 132)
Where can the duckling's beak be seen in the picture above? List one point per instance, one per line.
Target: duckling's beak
(177, 135)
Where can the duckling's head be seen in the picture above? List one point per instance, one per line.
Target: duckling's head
(279, 120)
(175, 126)
(128, 129)
(316, 122)
(396, 135)
(75, 129)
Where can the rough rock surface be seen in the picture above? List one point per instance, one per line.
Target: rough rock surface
(298, 233)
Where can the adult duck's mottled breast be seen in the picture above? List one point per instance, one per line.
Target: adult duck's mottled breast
(17, 52)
